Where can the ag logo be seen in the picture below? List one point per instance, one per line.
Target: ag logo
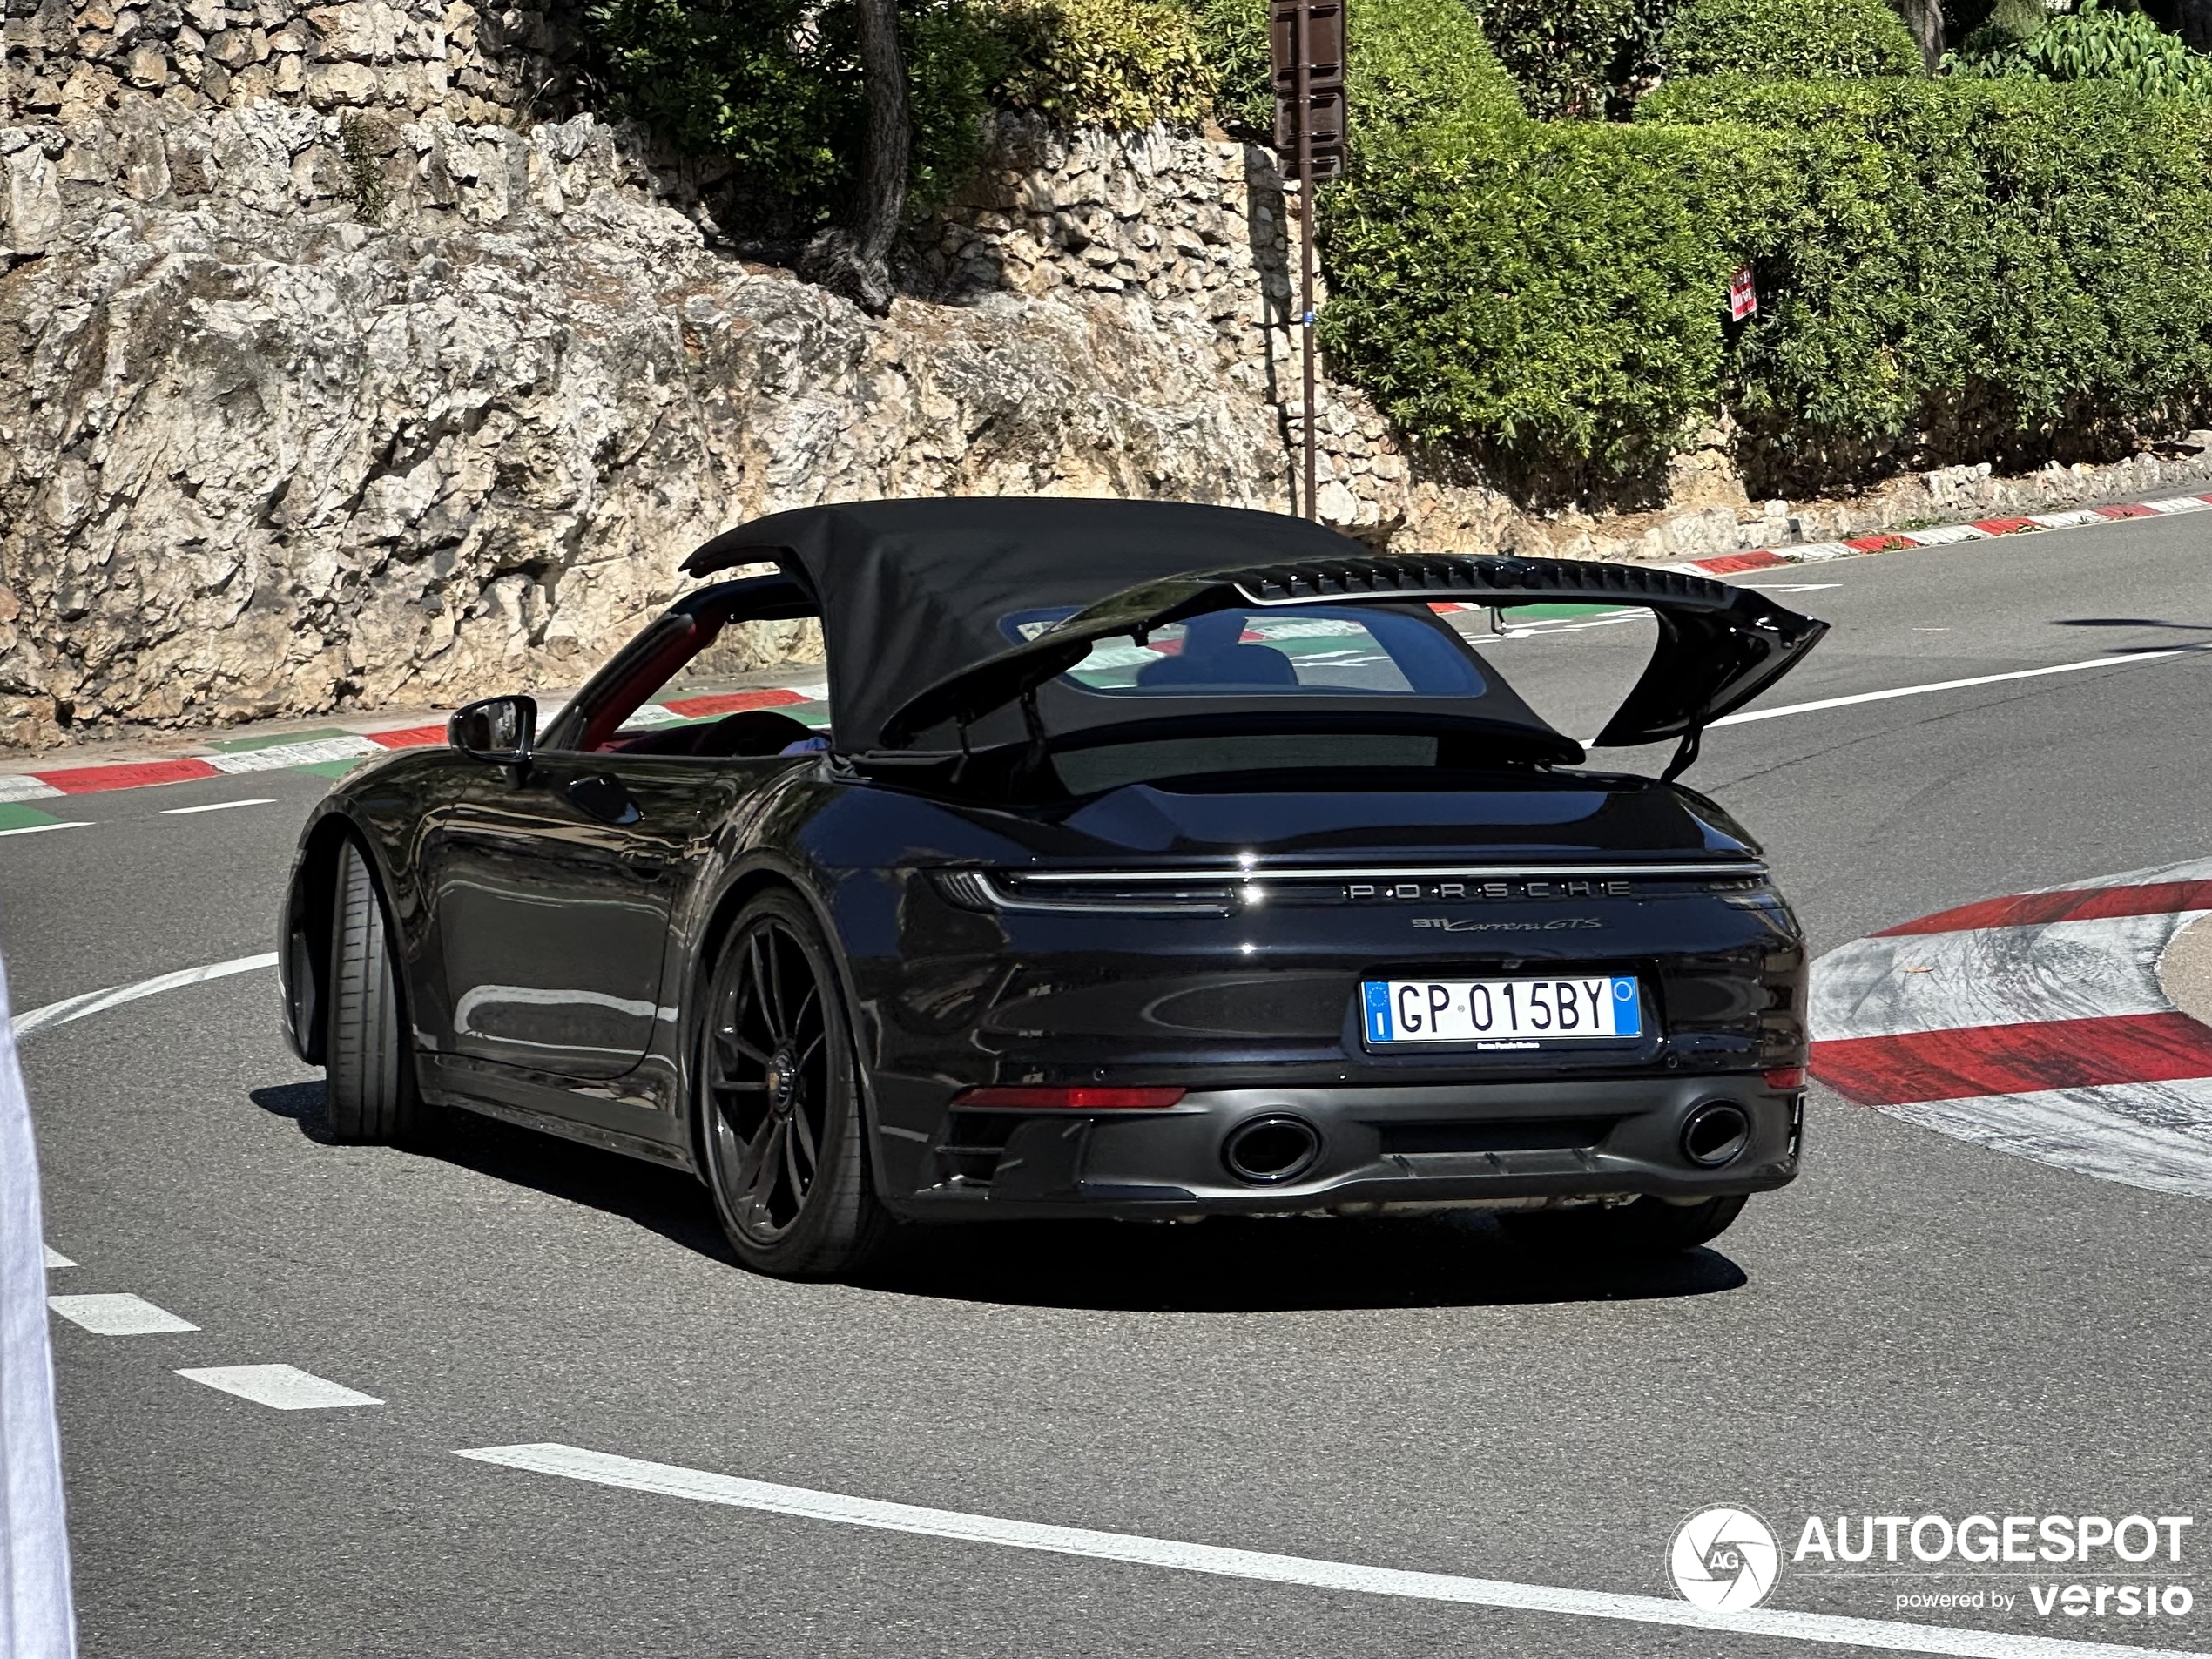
(1725, 1559)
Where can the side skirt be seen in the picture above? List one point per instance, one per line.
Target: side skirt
(554, 1111)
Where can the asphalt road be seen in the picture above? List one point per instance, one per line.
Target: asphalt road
(1917, 1327)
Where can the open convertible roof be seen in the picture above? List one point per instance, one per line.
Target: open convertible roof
(914, 593)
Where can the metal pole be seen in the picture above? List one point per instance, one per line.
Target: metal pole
(1305, 228)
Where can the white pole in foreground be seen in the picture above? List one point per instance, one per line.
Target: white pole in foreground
(35, 1617)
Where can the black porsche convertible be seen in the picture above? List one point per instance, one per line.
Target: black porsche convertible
(1151, 862)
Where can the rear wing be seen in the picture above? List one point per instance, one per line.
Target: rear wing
(1719, 646)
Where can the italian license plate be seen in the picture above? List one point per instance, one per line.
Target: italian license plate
(1516, 1011)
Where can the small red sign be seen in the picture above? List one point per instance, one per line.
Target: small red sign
(1743, 298)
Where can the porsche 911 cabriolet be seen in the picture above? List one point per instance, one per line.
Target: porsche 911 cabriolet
(1148, 861)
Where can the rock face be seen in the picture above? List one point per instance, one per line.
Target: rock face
(322, 386)
(257, 459)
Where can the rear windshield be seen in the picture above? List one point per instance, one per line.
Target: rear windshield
(1256, 652)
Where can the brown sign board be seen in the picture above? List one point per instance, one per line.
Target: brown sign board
(1320, 118)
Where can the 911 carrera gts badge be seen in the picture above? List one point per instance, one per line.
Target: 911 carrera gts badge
(1368, 892)
(1476, 925)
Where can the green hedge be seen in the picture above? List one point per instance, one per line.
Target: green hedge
(1954, 270)
(1947, 270)
(1581, 59)
(1788, 39)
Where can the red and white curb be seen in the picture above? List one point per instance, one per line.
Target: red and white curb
(1767, 558)
(284, 756)
(76, 780)
(2034, 1024)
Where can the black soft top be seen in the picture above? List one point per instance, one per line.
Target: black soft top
(913, 592)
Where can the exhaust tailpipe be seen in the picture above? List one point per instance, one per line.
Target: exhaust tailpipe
(1270, 1150)
(1716, 1133)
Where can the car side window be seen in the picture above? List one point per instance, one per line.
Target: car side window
(696, 686)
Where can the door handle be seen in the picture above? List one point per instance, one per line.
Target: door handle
(598, 796)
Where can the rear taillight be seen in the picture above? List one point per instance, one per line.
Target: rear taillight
(1084, 1098)
(1786, 1078)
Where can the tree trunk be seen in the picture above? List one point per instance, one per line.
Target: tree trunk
(1924, 21)
(855, 260)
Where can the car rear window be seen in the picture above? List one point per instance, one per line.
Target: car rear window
(1246, 653)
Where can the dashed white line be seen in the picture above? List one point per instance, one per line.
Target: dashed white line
(284, 1388)
(216, 806)
(40, 829)
(117, 1316)
(76, 1008)
(55, 1258)
(604, 1468)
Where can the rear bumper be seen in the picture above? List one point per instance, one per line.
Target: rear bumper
(1378, 1149)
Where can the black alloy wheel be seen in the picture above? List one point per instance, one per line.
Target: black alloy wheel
(780, 1102)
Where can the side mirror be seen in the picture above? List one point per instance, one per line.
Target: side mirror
(498, 729)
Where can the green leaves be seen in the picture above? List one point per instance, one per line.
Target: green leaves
(1948, 270)
(2094, 44)
(1788, 39)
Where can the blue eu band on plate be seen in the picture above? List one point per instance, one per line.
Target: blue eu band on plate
(1581, 1006)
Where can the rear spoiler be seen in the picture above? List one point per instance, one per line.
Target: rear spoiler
(1719, 646)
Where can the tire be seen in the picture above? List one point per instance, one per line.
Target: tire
(1648, 1227)
(369, 1087)
(783, 1139)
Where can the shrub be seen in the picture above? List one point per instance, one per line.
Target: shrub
(1576, 60)
(2094, 44)
(1544, 298)
(1788, 39)
(1106, 63)
(1963, 270)
(1422, 71)
(1415, 63)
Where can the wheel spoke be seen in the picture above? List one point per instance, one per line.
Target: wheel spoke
(805, 1056)
(771, 1008)
(791, 1164)
(803, 1133)
(813, 993)
(730, 1040)
(767, 1164)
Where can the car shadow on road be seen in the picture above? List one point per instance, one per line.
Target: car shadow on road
(1235, 1265)
(664, 1201)
(1222, 1265)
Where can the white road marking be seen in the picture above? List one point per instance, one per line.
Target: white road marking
(20, 785)
(117, 1316)
(40, 829)
(216, 806)
(603, 1468)
(2020, 975)
(1955, 685)
(55, 1258)
(1787, 587)
(2078, 518)
(284, 1388)
(2179, 504)
(2153, 1136)
(77, 1008)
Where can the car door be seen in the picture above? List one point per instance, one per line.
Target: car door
(553, 894)
(553, 882)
